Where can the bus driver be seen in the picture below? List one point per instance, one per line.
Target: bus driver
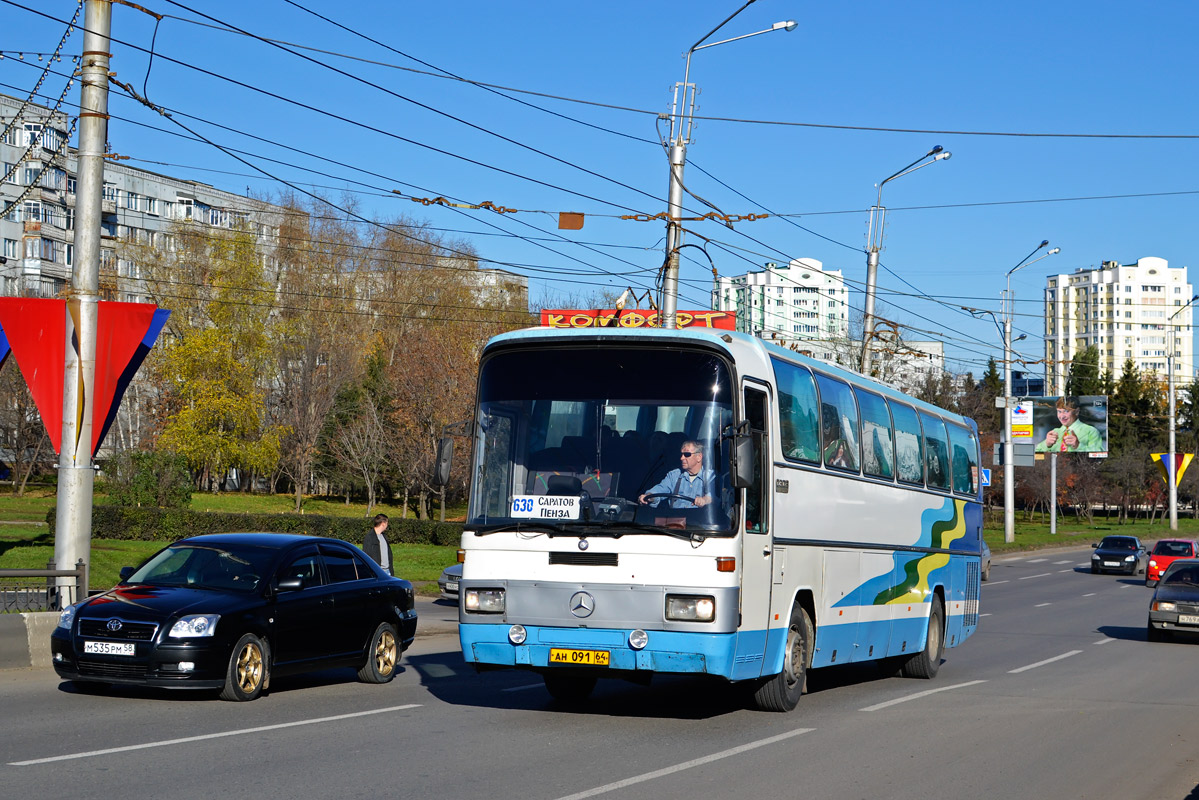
(690, 483)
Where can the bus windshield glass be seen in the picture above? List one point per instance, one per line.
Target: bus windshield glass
(608, 441)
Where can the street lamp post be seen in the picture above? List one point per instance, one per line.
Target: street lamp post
(1009, 450)
(681, 116)
(874, 243)
(1173, 413)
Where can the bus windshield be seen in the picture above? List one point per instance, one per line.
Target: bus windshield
(609, 441)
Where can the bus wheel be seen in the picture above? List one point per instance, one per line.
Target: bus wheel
(926, 663)
(568, 688)
(782, 692)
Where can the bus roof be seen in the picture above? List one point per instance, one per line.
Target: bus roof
(728, 341)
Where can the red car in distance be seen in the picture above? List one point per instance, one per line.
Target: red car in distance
(1164, 553)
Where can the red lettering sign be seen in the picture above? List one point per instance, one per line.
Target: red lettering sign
(633, 318)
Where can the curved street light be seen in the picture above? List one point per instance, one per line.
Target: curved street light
(681, 117)
(874, 238)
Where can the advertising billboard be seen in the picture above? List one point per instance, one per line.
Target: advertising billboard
(1067, 424)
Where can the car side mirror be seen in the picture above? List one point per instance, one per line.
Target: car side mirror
(126, 572)
(1093, 546)
(290, 585)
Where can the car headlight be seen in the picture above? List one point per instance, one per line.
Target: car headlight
(194, 626)
(66, 617)
(1130, 558)
(1094, 556)
(1152, 562)
(485, 601)
(690, 608)
(1164, 605)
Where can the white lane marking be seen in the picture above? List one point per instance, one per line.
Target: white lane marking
(1126, 586)
(1042, 605)
(1105, 641)
(1042, 575)
(1067, 561)
(696, 762)
(996, 583)
(523, 688)
(985, 615)
(1060, 571)
(1043, 663)
(918, 695)
(1036, 560)
(188, 739)
(1089, 594)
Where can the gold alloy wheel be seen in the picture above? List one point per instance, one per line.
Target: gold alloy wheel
(385, 654)
(249, 667)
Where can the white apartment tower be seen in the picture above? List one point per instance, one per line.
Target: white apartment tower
(798, 303)
(1126, 311)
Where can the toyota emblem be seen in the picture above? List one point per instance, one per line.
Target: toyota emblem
(114, 625)
(582, 604)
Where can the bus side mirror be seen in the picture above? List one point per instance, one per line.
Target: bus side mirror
(744, 457)
(445, 459)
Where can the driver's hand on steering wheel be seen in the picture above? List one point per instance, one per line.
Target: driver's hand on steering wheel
(700, 502)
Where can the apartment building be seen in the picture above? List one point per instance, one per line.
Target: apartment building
(1127, 311)
(799, 303)
(139, 207)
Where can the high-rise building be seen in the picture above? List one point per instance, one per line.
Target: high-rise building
(797, 304)
(1127, 311)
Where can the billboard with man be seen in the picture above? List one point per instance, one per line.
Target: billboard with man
(1069, 424)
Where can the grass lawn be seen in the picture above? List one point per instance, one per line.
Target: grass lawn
(25, 541)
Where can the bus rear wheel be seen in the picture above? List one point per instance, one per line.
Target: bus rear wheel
(782, 692)
(926, 663)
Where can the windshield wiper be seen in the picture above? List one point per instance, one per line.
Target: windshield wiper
(532, 527)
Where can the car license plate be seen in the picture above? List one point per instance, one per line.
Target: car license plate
(1111, 563)
(1188, 619)
(451, 586)
(109, 648)
(590, 658)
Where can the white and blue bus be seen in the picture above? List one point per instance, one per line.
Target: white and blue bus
(837, 520)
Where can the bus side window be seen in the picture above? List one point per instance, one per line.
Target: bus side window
(965, 460)
(936, 451)
(877, 452)
(839, 424)
(909, 444)
(798, 407)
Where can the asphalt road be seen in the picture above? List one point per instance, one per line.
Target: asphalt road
(1057, 696)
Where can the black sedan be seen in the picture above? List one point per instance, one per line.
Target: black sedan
(1175, 604)
(1119, 554)
(230, 611)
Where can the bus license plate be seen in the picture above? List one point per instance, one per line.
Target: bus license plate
(588, 658)
(109, 648)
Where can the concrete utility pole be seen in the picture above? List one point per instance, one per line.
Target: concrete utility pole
(1170, 469)
(681, 117)
(73, 534)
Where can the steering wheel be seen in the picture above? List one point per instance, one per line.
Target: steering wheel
(670, 495)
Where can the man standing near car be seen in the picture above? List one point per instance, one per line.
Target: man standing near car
(376, 545)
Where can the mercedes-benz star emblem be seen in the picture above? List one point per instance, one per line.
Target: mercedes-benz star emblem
(582, 604)
(114, 625)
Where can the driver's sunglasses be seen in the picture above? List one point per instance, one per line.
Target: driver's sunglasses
(686, 453)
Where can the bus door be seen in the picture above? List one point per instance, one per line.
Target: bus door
(756, 541)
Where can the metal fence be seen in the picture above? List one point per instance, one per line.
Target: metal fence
(46, 589)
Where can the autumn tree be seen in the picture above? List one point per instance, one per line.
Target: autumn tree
(21, 431)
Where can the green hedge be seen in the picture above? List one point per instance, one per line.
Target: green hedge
(170, 524)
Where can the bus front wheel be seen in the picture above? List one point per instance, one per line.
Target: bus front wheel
(926, 663)
(782, 692)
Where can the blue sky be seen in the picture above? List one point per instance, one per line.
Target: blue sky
(1017, 67)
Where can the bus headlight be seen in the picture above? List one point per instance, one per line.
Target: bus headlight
(690, 608)
(638, 639)
(484, 601)
(517, 634)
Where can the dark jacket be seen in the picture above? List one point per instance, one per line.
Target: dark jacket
(371, 547)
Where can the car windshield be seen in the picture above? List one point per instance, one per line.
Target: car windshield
(570, 440)
(1118, 543)
(223, 567)
(1183, 575)
(1177, 549)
